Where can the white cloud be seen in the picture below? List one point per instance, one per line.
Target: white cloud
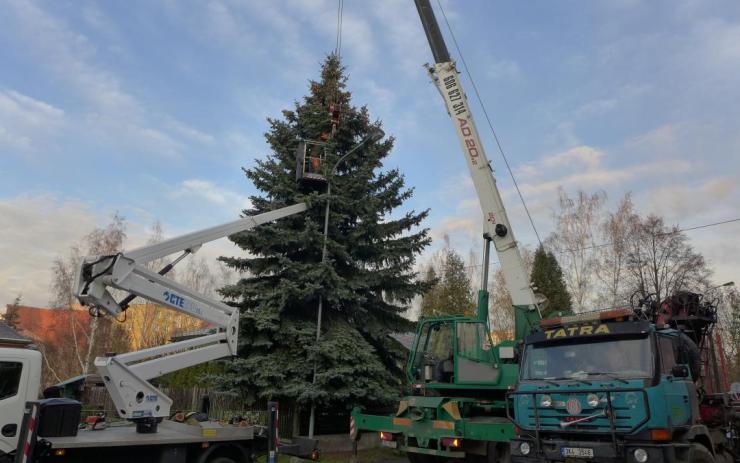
(37, 230)
(583, 167)
(504, 69)
(111, 113)
(23, 119)
(693, 203)
(587, 156)
(206, 190)
(596, 107)
(661, 140)
(188, 132)
(466, 226)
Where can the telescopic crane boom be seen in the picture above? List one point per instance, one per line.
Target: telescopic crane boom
(127, 376)
(446, 78)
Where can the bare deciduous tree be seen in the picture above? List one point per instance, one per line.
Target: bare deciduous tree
(611, 265)
(501, 309)
(80, 339)
(149, 324)
(576, 225)
(728, 315)
(661, 261)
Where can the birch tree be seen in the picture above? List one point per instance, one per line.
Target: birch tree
(611, 269)
(150, 324)
(576, 224)
(82, 337)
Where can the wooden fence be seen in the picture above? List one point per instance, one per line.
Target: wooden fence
(223, 406)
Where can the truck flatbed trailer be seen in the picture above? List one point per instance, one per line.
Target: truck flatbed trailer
(169, 433)
(203, 442)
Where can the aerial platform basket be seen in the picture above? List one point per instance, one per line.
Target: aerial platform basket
(310, 157)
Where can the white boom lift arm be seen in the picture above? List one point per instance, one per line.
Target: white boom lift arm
(127, 376)
(497, 227)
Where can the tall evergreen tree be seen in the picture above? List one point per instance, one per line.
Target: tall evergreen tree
(547, 277)
(367, 281)
(451, 293)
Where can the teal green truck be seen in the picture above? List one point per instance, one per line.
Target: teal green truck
(643, 385)
(457, 405)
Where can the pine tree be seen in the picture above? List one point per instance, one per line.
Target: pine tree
(547, 277)
(451, 294)
(367, 281)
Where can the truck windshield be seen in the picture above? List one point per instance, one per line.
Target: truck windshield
(623, 358)
(434, 350)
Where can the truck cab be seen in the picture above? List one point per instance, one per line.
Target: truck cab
(614, 387)
(20, 377)
(455, 409)
(455, 352)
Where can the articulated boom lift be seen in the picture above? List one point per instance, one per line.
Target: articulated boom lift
(127, 376)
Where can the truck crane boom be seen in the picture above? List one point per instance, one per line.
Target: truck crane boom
(446, 78)
(458, 375)
(126, 376)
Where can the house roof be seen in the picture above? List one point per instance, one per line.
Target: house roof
(10, 336)
(50, 326)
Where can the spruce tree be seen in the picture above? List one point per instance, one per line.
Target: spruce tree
(367, 281)
(547, 277)
(451, 294)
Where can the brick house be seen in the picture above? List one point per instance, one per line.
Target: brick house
(49, 326)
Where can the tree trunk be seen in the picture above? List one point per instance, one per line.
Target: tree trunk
(296, 410)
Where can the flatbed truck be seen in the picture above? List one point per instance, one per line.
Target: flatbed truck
(45, 430)
(633, 385)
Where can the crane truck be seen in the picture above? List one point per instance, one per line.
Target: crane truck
(47, 430)
(641, 385)
(458, 377)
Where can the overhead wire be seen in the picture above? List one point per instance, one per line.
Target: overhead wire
(488, 120)
(602, 245)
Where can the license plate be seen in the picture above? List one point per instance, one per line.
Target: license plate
(578, 452)
(389, 443)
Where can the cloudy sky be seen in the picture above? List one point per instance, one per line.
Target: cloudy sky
(151, 108)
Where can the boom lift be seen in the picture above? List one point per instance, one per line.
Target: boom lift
(458, 377)
(49, 427)
(127, 376)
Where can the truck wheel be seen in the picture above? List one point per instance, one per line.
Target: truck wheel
(699, 454)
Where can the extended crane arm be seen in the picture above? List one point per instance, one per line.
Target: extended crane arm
(446, 78)
(126, 375)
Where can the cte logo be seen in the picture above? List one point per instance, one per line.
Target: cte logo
(174, 299)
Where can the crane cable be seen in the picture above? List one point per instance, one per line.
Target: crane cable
(488, 119)
(340, 20)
